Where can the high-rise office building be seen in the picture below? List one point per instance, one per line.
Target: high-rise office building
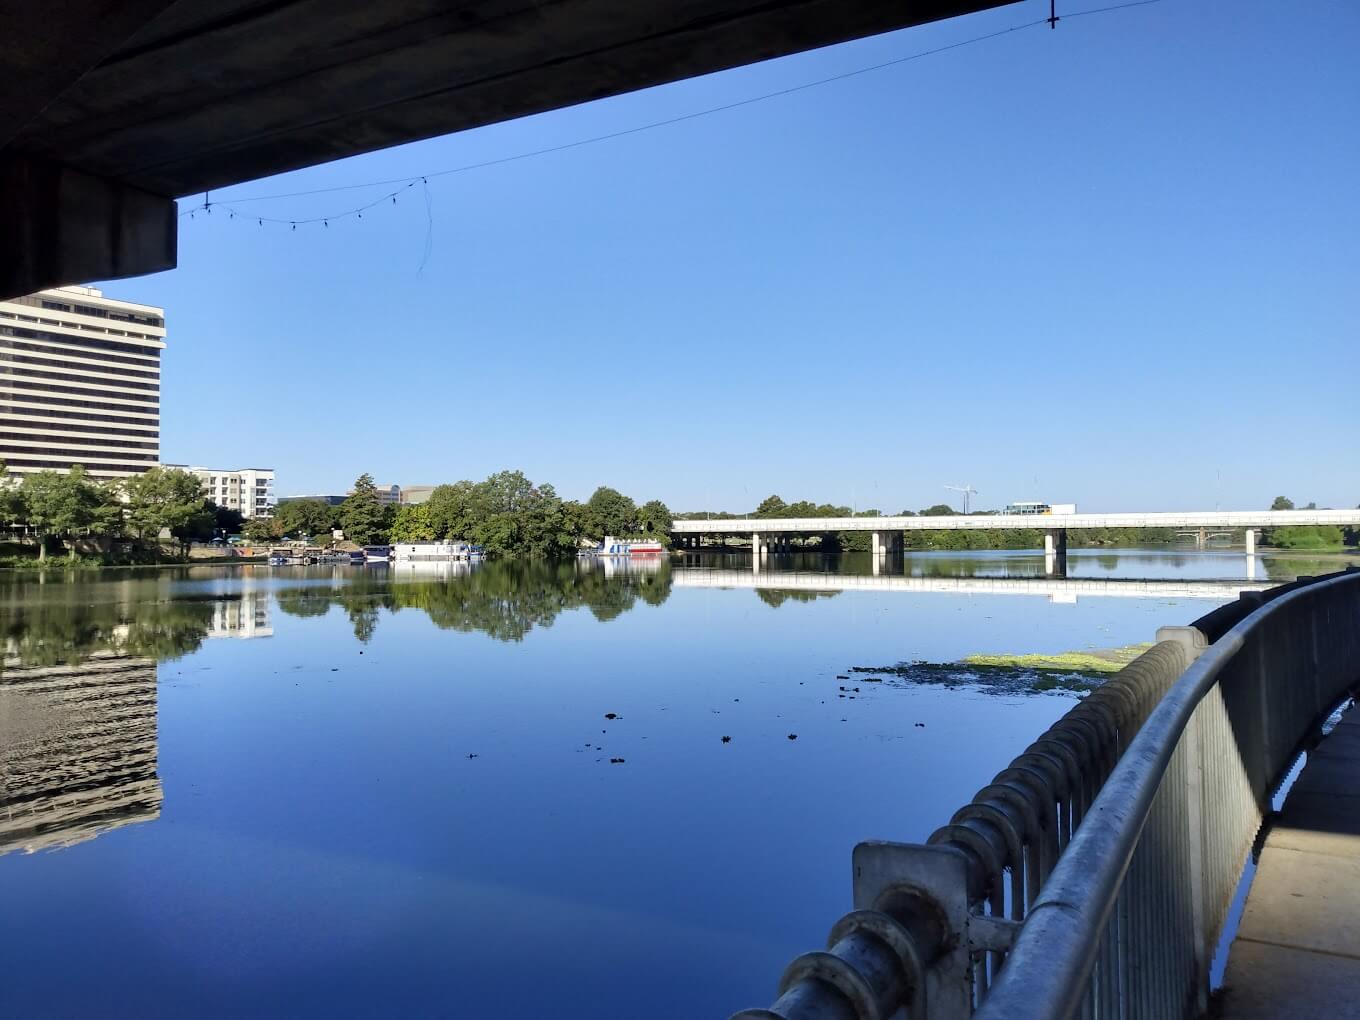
(80, 383)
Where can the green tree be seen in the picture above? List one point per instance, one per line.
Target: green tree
(362, 515)
(1282, 503)
(449, 510)
(611, 513)
(772, 506)
(411, 524)
(66, 507)
(655, 520)
(306, 517)
(198, 527)
(11, 500)
(939, 510)
(227, 520)
(262, 530)
(164, 499)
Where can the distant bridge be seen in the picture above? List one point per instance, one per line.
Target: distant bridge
(888, 531)
(1056, 589)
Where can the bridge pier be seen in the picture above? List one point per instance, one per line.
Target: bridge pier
(1055, 552)
(1250, 538)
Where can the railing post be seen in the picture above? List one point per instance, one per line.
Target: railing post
(1191, 638)
(1194, 800)
(928, 883)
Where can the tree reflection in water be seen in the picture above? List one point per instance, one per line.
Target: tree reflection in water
(504, 600)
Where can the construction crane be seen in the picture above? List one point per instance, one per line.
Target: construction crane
(967, 491)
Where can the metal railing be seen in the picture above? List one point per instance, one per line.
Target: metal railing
(1094, 876)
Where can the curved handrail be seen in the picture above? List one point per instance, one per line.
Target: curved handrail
(1047, 969)
(1096, 872)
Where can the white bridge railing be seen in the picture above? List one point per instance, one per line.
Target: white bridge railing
(1040, 522)
(1093, 877)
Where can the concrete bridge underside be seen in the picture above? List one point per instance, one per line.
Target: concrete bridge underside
(113, 108)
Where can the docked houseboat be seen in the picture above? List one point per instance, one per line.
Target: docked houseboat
(436, 552)
(377, 553)
(629, 547)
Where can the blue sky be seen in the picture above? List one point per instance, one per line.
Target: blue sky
(1114, 263)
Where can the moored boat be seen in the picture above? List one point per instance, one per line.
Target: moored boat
(629, 547)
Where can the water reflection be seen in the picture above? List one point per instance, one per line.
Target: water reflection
(78, 702)
(77, 749)
(37, 630)
(503, 600)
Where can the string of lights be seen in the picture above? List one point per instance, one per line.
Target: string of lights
(400, 185)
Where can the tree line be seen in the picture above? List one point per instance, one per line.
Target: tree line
(1325, 536)
(507, 514)
(61, 508)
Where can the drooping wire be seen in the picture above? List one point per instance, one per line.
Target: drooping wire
(405, 183)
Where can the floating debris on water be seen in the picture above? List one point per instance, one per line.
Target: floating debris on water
(611, 715)
(1071, 672)
(793, 736)
(615, 761)
(727, 740)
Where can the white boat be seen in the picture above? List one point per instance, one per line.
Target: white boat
(435, 552)
(629, 547)
(377, 553)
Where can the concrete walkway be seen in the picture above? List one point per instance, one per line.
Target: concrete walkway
(1297, 952)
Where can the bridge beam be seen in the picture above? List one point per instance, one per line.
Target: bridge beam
(64, 226)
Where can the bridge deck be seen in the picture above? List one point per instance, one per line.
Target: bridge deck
(1297, 952)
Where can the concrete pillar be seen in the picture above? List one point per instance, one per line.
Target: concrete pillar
(1251, 541)
(755, 552)
(878, 547)
(1201, 539)
(1055, 552)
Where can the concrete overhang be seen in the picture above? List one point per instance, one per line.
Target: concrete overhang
(112, 108)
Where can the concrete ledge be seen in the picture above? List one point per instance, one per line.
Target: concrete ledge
(61, 226)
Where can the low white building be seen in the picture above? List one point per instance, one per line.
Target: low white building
(249, 490)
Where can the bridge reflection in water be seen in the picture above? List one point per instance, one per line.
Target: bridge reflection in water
(1057, 590)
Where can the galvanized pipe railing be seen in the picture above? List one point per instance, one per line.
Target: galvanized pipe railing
(1099, 867)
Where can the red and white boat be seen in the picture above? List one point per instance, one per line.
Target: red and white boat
(629, 547)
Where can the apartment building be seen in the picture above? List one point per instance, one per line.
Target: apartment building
(249, 490)
(80, 383)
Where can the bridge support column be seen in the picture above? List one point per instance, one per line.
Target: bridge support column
(1201, 538)
(880, 549)
(755, 551)
(1055, 552)
(1251, 541)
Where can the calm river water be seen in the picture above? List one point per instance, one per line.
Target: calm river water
(380, 792)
